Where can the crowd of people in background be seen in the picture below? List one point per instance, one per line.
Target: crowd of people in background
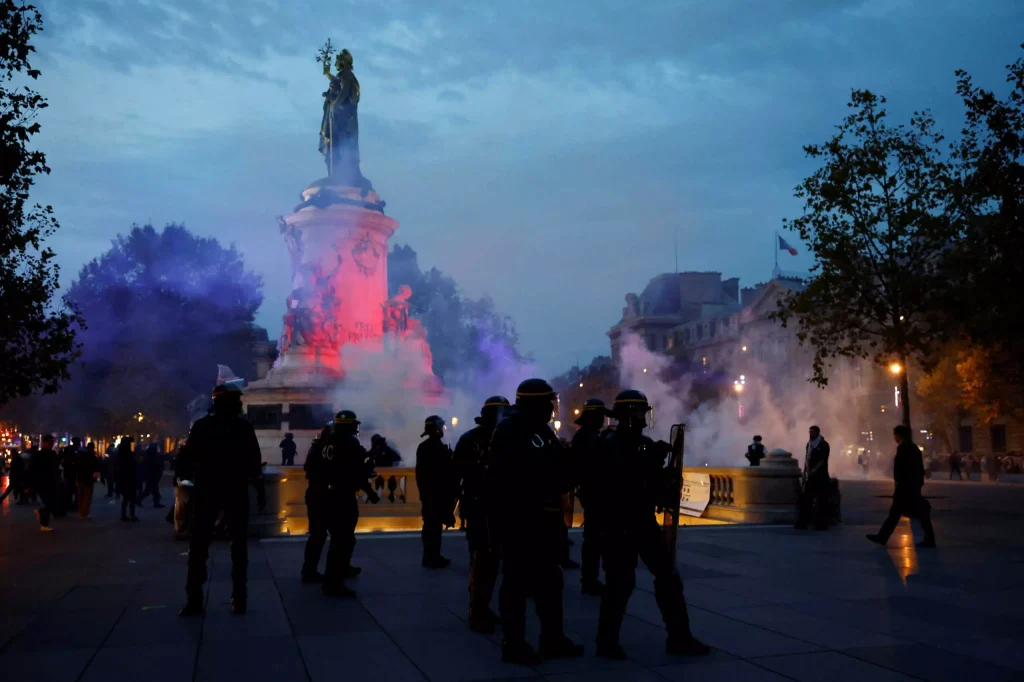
(63, 480)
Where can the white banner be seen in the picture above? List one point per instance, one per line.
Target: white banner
(695, 495)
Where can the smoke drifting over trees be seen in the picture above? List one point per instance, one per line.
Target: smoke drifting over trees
(468, 338)
(164, 308)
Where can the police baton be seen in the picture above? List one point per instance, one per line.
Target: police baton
(670, 517)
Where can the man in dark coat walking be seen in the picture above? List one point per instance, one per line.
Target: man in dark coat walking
(907, 500)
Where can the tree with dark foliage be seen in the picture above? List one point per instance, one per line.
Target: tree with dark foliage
(466, 336)
(164, 309)
(37, 333)
(986, 305)
(878, 216)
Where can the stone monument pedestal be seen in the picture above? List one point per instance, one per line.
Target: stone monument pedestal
(337, 239)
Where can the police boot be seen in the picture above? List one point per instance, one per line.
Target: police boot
(352, 571)
(685, 644)
(338, 590)
(193, 606)
(519, 653)
(312, 578)
(560, 647)
(610, 650)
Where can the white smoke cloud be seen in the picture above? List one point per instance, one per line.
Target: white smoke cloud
(386, 389)
(716, 434)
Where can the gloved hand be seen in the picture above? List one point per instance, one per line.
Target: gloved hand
(372, 496)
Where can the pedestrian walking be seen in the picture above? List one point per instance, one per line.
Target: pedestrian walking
(907, 500)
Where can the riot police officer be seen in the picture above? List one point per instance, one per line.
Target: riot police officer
(316, 507)
(530, 473)
(226, 457)
(586, 443)
(630, 528)
(345, 471)
(471, 468)
(435, 480)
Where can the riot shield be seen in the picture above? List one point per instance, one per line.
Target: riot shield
(674, 471)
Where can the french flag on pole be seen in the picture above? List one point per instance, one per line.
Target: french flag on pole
(784, 246)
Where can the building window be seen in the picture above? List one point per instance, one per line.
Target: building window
(686, 335)
(966, 438)
(670, 342)
(310, 416)
(998, 434)
(265, 416)
(707, 330)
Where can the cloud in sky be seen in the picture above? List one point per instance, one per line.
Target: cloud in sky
(543, 153)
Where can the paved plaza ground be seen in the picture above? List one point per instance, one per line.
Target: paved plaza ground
(97, 601)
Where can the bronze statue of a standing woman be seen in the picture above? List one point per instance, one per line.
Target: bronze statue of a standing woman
(339, 128)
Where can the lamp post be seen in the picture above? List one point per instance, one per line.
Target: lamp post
(900, 369)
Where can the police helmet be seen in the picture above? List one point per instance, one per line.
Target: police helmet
(535, 390)
(492, 409)
(630, 404)
(346, 417)
(226, 390)
(432, 424)
(377, 438)
(591, 408)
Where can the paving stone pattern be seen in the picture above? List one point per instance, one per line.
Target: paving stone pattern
(97, 600)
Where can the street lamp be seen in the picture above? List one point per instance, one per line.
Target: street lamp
(455, 421)
(899, 369)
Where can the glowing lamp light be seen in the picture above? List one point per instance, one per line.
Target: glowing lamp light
(455, 421)
(895, 368)
(558, 425)
(738, 387)
(744, 349)
(581, 384)
(645, 370)
(576, 411)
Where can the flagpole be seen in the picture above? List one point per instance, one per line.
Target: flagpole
(775, 272)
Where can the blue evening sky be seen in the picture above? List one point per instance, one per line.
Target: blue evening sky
(542, 152)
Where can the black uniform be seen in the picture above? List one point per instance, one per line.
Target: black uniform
(288, 450)
(435, 480)
(631, 531)
(384, 456)
(471, 469)
(226, 456)
(530, 473)
(338, 470)
(586, 444)
(755, 453)
(908, 473)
